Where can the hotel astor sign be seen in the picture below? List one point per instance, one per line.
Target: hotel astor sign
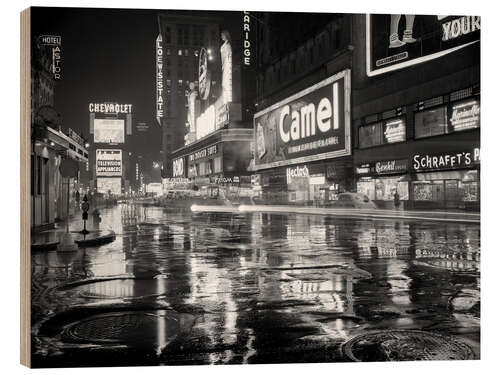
(313, 124)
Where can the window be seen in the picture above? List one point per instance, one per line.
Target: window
(455, 117)
(179, 36)
(383, 132)
(168, 35)
(370, 135)
(218, 164)
(179, 52)
(430, 122)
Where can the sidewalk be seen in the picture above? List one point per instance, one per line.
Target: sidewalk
(53, 239)
(439, 216)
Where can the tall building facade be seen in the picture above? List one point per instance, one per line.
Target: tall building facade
(183, 35)
(302, 125)
(57, 157)
(416, 110)
(216, 120)
(403, 121)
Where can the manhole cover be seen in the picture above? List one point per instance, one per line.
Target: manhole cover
(135, 328)
(402, 345)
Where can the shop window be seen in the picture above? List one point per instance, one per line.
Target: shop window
(430, 122)
(210, 166)
(370, 135)
(383, 188)
(468, 191)
(388, 131)
(428, 191)
(457, 116)
(386, 187)
(218, 164)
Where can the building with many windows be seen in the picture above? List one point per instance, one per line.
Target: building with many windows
(183, 35)
(56, 157)
(219, 105)
(302, 125)
(416, 110)
(384, 105)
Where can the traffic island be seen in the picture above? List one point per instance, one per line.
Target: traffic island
(96, 238)
(44, 246)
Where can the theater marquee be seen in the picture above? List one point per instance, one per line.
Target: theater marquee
(313, 124)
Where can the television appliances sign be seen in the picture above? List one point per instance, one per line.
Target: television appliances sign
(313, 124)
(108, 162)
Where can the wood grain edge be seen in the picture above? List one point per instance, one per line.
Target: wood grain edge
(25, 199)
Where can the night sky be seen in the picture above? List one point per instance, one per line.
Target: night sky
(107, 55)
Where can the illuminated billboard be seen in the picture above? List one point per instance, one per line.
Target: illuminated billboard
(108, 162)
(395, 41)
(313, 124)
(109, 131)
(106, 185)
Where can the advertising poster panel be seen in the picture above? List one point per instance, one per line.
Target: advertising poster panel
(313, 124)
(106, 185)
(109, 131)
(108, 162)
(395, 41)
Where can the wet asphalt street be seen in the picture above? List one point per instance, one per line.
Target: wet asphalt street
(178, 287)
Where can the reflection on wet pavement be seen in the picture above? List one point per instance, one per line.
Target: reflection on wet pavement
(258, 288)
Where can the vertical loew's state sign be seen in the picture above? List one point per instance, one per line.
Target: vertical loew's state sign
(313, 124)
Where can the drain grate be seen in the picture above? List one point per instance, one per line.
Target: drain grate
(129, 327)
(405, 345)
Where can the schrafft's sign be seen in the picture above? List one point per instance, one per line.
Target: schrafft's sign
(110, 108)
(451, 160)
(395, 41)
(159, 79)
(108, 162)
(313, 124)
(206, 152)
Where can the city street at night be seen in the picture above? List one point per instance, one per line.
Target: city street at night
(250, 187)
(182, 287)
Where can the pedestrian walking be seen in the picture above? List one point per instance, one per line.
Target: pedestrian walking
(397, 201)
